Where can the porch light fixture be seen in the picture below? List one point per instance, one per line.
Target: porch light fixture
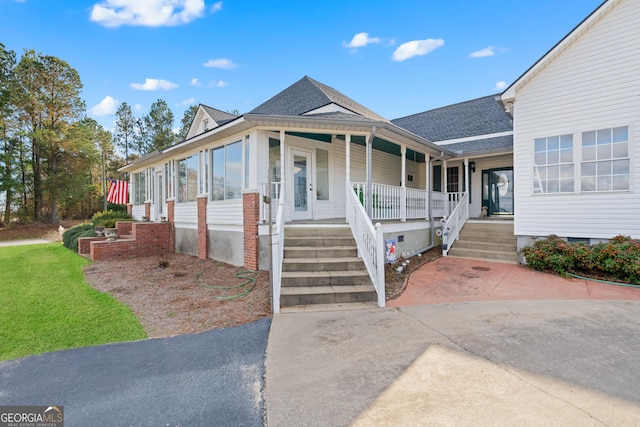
(472, 166)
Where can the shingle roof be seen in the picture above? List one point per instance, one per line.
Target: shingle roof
(495, 144)
(480, 116)
(220, 117)
(307, 95)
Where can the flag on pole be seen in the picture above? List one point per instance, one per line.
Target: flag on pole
(118, 192)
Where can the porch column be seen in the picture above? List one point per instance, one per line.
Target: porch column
(369, 192)
(427, 184)
(347, 147)
(466, 174)
(282, 168)
(403, 184)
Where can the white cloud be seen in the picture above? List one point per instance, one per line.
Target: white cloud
(361, 40)
(487, 51)
(416, 48)
(153, 84)
(220, 83)
(107, 107)
(147, 13)
(500, 85)
(224, 63)
(188, 101)
(137, 107)
(216, 7)
(195, 82)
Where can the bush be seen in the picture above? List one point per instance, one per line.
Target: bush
(70, 237)
(108, 219)
(619, 259)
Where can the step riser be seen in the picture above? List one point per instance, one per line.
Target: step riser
(311, 280)
(480, 241)
(465, 244)
(327, 298)
(488, 255)
(319, 242)
(292, 265)
(320, 253)
(487, 233)
(317, 231)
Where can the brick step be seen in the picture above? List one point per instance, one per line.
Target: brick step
(323, 264)
(326, 295)
(487, 246)
(319, 241)
(484, 254)
(320, 252)
(325, 278)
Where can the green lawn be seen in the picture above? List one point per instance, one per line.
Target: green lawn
(46, 305)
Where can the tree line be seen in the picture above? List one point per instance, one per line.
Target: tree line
(52, 156)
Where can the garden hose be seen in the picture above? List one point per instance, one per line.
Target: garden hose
(244, 274)
(629, 285)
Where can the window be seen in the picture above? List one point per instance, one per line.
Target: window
(205, 125)
(140, 186)
(452, 180)
(322, 174)
(553, 170)
(247, 162)
(188, 179)
(226, 163)
(203, 182)
(605, 160)
(437, 178)
(274, 159)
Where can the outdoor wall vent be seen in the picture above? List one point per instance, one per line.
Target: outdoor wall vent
(579, 240)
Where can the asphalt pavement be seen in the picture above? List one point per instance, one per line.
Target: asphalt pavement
(214, 378)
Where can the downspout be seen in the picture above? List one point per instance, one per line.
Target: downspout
(430, 195)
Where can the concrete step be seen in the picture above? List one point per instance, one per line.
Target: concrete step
(325, 278)
(317, 230)
(481, 239)
(327, 295)
(369, 305)
(488, 246)
(489, 228)
(484, 254)
(319, 241)
(323, 264)
(320, 252)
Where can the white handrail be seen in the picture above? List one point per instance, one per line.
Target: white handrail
(277, 253)
(274, 194)
(369, 240)
(452, 225)
(392, 202)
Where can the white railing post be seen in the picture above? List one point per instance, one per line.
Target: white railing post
(277, 254)
(455, 222)
(380, 279)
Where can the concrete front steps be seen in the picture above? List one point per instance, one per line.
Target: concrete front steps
(491, 240)
(321, 266)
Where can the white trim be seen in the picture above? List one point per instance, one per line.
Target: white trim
(474, 138)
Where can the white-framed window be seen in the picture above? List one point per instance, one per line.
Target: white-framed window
(188, 179)
(226, 172)
(140, 187)
(322, 174)
(203, 180)
(246, 161)
(605, 160)
(205, 125)
(553, 170)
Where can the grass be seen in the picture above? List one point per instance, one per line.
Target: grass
(47, 305)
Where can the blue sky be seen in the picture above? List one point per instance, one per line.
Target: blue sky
(395, 57)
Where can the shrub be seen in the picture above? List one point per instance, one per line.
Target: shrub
(108, 219)
(70, 237)
(618, 259)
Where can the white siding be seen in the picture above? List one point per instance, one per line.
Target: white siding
(186, 215)
(592, 84)
(227, 212)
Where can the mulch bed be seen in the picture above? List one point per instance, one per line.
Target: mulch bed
(397, 283)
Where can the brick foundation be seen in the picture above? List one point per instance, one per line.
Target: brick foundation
(171, 204)
(251, 217)
(147, 209)
(147, 238)
(203, 247)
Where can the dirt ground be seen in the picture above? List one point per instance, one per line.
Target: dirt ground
(181, 294)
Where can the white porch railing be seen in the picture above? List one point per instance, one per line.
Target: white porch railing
(276, 188)
(277, 253)
(444, 203)
(453, 224)
(393, 203)
(369, 239)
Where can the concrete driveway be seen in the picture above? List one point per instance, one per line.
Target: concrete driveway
(502, 363)
(212, 378)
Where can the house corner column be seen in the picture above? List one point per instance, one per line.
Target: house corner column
(129, 209)
(251, 218)
(203, 241)
(172, 227)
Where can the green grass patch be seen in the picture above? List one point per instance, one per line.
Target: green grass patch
(46, 304)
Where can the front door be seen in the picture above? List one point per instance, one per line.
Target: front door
(302, 180)
(497, 191)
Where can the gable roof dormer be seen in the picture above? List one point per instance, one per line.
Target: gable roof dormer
(307, 97)
(207, 118)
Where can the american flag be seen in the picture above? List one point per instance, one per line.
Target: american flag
(118, 192)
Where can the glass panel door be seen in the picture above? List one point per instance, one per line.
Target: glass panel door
(302, 185)
(497, 191)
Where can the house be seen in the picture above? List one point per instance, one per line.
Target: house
(319, 189)
(576, 136)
